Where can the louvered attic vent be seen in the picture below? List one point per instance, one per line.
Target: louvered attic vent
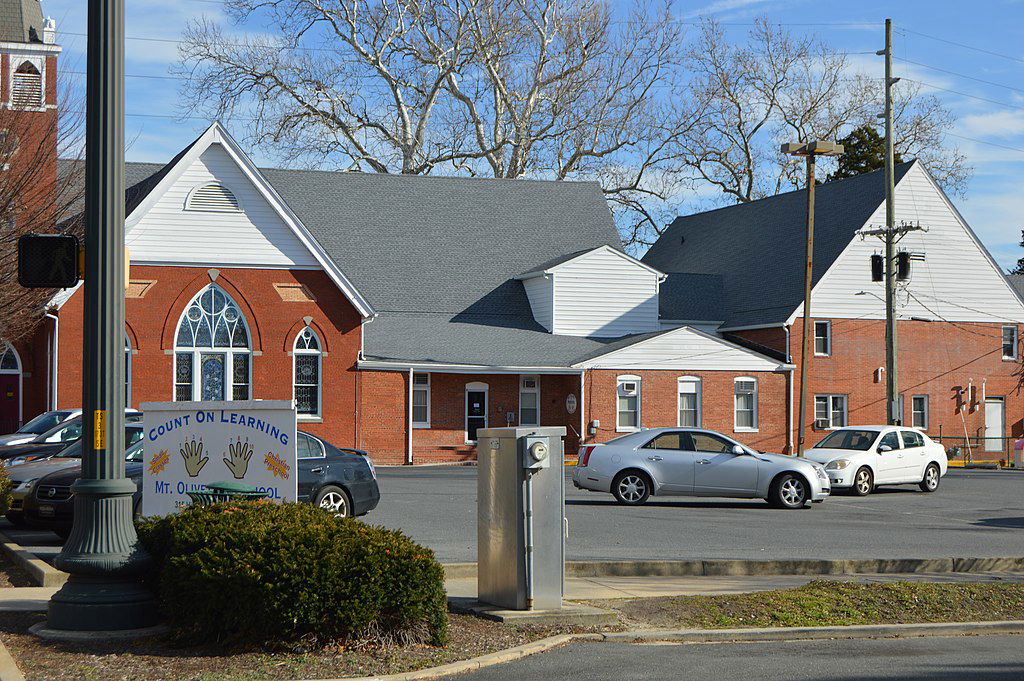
(213, 197)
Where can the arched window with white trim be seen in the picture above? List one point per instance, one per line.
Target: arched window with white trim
(127, 371)
(689, 401)
(745, 402)
(212, 355)
(10, 388)
(27, 86)
(307, 365)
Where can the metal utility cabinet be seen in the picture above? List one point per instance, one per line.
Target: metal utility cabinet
(520, 518)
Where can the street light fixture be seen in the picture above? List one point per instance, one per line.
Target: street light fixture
(810, 150)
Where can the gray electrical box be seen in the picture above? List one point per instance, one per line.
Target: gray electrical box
(521, 504)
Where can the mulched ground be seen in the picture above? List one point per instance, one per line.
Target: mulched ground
(11, 574)
(828, 603)
(157, 660)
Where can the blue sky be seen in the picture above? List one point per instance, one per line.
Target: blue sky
(990, 127)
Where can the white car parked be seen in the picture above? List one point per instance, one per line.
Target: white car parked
(695, 462)
(861, 458)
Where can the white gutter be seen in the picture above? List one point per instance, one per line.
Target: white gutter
(754, 327)
(53, 360)
(408, 446)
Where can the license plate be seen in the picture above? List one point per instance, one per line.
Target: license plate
(46, 511)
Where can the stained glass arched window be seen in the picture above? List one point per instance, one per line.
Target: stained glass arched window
(307, 355)
(9, 359)
(212, 351)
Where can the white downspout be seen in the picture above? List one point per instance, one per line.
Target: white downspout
(408, 447)
(583, 413)
(789, 383)
(54, 346)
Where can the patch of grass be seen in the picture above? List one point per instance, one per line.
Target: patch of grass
(831, 603)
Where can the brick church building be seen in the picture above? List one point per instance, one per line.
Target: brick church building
(403, 313)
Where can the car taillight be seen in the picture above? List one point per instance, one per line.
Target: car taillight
(585, 456)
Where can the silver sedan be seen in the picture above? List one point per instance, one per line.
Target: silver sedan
(695, 462)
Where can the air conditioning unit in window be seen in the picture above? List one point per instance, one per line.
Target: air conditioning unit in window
(629, 388)
(529, 383)
(820, 424)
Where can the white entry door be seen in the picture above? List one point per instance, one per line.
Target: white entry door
(995, 424)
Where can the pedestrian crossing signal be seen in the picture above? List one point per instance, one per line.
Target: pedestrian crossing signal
(48, 261)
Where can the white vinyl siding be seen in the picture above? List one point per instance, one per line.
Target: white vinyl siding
(955, 281)
(627, 404)
(684, 349)
(745, 404)
(256, 235)
(539, 291)
(604, 294)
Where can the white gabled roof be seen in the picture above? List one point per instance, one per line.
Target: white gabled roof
(215, 134)
(553, 266)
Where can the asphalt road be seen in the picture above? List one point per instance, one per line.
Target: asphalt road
(979, 658)
(973, 514)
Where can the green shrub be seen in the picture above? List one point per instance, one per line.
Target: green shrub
(5, 490)
(263, 574)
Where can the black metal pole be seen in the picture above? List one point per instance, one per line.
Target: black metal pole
(102, 554)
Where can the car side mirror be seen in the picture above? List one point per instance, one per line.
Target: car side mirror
(884, 448)
(738, 451)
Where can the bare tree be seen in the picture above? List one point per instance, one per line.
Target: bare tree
(505, 88)
(774, 87)
(35, 197)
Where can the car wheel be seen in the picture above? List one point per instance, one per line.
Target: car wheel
(931, 478)
(788, 491)
(863, 482)
(631, 488)
(335, 500)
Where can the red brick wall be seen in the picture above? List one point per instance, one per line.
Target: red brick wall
(152, 321)
(935, 359)
(774, 338)
(659, 404)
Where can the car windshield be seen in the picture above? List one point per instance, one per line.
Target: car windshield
(132, 436)
(134, 452)
(67, 431)
(44, 422)
(857, 440)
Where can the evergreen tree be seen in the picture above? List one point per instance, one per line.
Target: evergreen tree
(1020, 263)
(864, 151)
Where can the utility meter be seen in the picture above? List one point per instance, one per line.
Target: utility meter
(536, 453)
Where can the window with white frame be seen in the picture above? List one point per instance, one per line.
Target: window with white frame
(127, 371)
(529, 400)
(745, 403)
(1009, 342)
(421, 400)
(627, 412)
(27, 86)
(308, 371)
(831, 409)
(689, 402)
(823, 338)
(919, 412)
(212, 353)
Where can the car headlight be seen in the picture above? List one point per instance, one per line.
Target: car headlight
(837, 465)
(25, 485)
(821, 473)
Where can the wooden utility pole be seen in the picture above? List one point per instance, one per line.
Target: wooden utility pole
(810, 150)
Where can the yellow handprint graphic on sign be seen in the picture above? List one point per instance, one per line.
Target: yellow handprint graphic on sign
(238, 457)
(192, 453)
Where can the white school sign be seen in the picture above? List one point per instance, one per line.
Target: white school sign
(190, 444)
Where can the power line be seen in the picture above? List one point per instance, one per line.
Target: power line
(964, 94)
(961, 75)
(966, 47)
(991, 144)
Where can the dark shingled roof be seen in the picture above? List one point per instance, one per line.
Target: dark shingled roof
(757, 248)
(691, 297)
(442, 280)
(21, 21)
(1017, 282)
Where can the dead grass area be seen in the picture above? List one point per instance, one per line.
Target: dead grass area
(157, 659)
(828, 603)
(12, 574)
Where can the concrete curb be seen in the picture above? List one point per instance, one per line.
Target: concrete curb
(749, 568)
(474, 663)
(9, 670)
(41, 572)
(818, 633)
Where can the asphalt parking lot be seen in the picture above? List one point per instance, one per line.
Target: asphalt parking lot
(973, 514)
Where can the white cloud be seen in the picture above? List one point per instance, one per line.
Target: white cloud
(722, 6)
(994, 123)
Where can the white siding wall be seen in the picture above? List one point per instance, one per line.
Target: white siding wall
(603, 294)
(256, 236)
(955, 282)
(538, 290)
(684, 349)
